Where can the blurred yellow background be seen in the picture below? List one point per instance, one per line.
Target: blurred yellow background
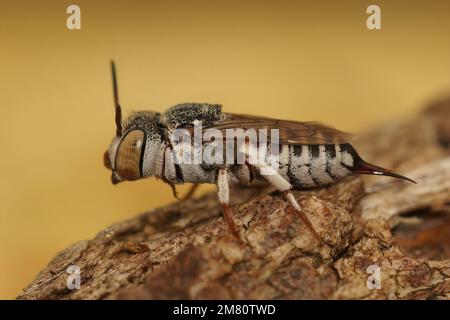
(303, 60)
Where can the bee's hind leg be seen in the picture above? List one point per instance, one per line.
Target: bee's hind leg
(291, 199)
(223, 192)
(280, 183)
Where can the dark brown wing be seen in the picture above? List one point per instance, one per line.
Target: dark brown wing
(290, 132)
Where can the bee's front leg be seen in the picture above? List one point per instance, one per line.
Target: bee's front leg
(223, 192)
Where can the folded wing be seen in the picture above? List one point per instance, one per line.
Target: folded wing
(290, 132)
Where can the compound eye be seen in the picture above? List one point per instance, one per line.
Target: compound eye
(128, 156)
(106, 161)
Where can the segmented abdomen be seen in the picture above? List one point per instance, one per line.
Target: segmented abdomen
(309, 166)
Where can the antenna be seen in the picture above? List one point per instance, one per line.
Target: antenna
(116, 100)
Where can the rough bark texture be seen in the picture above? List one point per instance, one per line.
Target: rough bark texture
(183, 251)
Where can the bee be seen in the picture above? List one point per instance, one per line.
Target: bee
(310, 154)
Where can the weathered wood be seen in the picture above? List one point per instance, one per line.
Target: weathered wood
(184, 251)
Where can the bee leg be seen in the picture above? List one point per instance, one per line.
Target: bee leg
(191, 192)
(172, 186)
(276, 180)
(224, 199)
(291, 199)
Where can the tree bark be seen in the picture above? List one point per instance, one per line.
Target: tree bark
(369, 225)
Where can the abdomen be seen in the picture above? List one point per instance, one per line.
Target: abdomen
(308, 166)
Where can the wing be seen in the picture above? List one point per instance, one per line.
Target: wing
(290, 132)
